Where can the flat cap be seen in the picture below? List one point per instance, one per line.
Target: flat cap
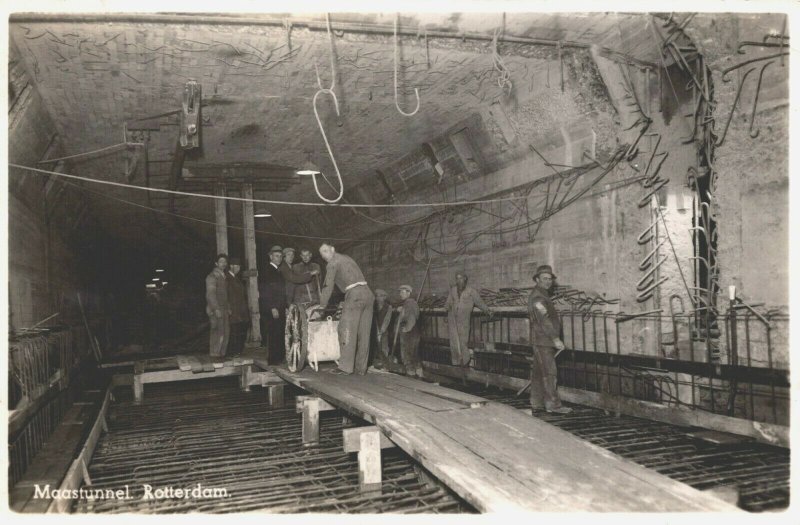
(276, 248)
(235, 260)
(381, 292)
(545, 268)
(406, 287)
(287, 250)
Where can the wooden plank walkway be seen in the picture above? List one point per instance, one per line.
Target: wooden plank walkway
(496, 457)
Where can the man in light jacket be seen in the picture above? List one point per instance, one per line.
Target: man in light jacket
(217, 307)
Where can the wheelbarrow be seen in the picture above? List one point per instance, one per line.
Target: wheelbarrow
(311, 336)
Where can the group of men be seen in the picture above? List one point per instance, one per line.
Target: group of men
(366, 316)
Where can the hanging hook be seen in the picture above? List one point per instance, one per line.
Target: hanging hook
(327, 145)
(416, 91)
(754, 134)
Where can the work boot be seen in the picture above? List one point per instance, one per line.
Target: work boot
(559, 410)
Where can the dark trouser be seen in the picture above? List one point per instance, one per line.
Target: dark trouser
(238, 337)
(354, 330)
(543, 379)
(409, 349)
(275, 330)
(219, 334)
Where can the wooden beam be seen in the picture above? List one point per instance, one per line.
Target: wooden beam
(311, 407)
(252, 264)
(275, 395)
(351, 437)
(369, 461)
(220, 209)
(175, 172)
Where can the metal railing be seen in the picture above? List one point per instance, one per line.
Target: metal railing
(669, 359)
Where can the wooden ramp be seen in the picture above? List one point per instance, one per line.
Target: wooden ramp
(496, 457)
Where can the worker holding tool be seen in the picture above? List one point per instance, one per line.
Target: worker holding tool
(460, 303)
(356, 321)
(217, 307)
(545, 337)
(307, 293)
(408, 331)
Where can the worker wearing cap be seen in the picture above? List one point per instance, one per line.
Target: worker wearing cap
(460, 303)
(356, 321)
(409, 331)
(217, 307)
(308, 292)
(545, 337)
(272, 303)
(381, 319)
(292, 278)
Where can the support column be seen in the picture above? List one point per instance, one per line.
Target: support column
(220, 207)
(252, 268)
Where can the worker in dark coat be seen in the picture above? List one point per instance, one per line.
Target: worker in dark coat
(409, 334)
(217, 307)
(293, 279)
(545, 337)
(307, 293)
(272, 304)
(356, 321)
(460, 303)
(240, 314)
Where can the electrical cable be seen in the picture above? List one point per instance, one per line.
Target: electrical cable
(262, 201)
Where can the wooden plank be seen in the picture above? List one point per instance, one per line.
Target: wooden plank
(165, 376)
(454, 396)
(351, 438)
(421, 399)
(183, 363)
(197, 365)
(498, 459)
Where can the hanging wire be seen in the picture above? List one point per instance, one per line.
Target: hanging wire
(416, 91)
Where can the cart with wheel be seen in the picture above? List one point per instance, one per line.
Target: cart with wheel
(311, 336)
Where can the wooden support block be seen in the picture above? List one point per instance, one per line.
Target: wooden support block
(138, 388)
(183, 363)
(245, 377)
(311, 421)
(351, 437)
(369, 461)
(275, 395)
(300, 403)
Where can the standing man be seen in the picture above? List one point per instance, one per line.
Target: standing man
(272, 303)
(292, 279)
(356, 321)
(460, 303)
(381, 318)
(240, 315)
(309, 292)
(545, 336)
(217, 307)
(409, 332)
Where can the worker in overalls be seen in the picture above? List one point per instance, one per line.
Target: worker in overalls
(545, 337)
(356, 321)
(408, 327)
(217, 307)
(460, 303)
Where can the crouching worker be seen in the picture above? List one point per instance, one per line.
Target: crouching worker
(409, 332)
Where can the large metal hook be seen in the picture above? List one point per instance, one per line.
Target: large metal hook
(327, 145)
(416, 91)
(755, 100)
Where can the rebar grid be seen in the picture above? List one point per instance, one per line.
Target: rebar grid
(759, 472)
(211, 433)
